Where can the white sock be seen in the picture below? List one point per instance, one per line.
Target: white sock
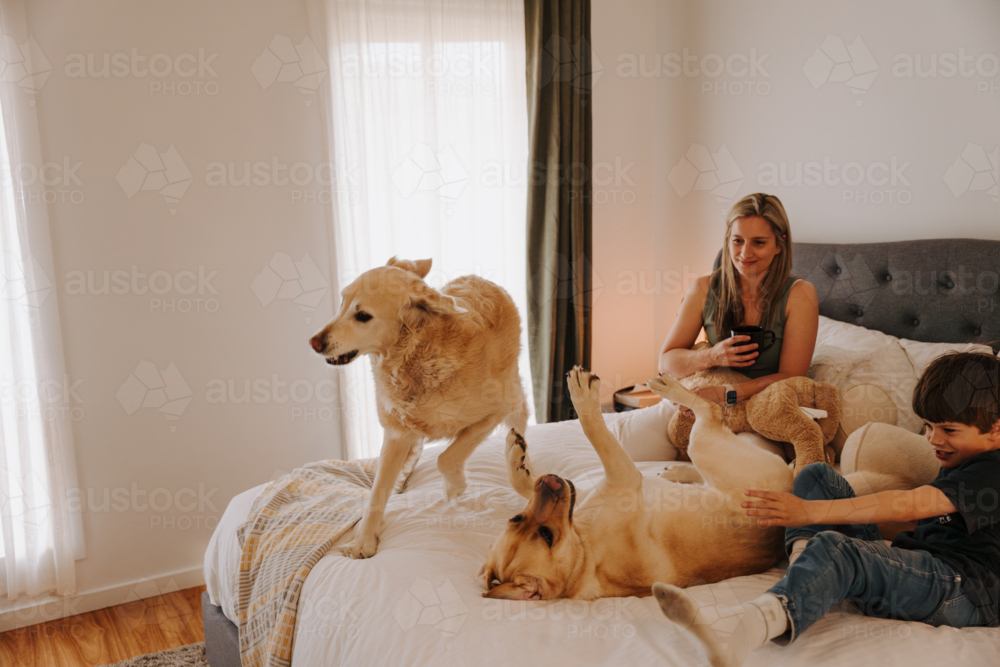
(758, 622)
(797, 547)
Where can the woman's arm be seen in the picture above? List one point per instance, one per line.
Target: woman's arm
(677, 358)
(786, 509)
(797, 345)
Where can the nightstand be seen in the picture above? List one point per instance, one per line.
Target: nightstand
(634, 398)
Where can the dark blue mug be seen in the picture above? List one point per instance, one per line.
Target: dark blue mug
(758, 335)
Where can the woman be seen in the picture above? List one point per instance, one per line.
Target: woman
(752, 286)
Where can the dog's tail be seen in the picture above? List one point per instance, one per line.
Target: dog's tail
(672, 390)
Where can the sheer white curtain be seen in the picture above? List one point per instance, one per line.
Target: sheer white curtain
(427, 122)
(37, 401)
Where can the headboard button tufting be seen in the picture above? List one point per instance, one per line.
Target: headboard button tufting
(947, 284)
(916, 322)
(979, 332)
(888, 277)
(857, 311)
(837, 270)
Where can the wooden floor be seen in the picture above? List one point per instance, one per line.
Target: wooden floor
(108, 635)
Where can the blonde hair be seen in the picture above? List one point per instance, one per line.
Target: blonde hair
(725, 280)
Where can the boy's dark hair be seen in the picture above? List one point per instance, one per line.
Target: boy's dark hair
(960, 387)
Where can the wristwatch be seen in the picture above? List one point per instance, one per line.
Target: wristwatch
(730, 394)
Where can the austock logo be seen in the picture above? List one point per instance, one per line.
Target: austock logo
(427, 170)
(566, 63)
(28, 501)
(149, 170)
(975, 170)
(962, 64)
(877, 182)
(145, 604)
(23, 64)
(50, 182)
(848, 280)
(169, 292)
(285, 62)
(283, 278)
(184, 74)
(24, 281)
(836, 62)
(745, 72)
(701, 170)
(165, 390)
(310, 182)
(438, 606)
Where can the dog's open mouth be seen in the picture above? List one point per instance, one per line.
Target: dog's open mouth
(345, 358)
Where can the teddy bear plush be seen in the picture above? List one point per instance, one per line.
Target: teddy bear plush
(773, 413)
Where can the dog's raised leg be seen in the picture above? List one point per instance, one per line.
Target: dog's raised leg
(451, 462)
(396, 448)
(724, 460)
(519, 466)
(585, 391)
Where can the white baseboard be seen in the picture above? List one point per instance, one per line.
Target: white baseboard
(21, 614)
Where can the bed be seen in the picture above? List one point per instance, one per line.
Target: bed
(890, 307)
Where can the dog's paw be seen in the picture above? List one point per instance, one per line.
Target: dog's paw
(584, 390)
(664, 386)
(681, 473)
(518, 463)
(515, 439)
(516, 451)
(365, 545)
(454, 487)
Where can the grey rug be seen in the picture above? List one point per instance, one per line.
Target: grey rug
(192, 655)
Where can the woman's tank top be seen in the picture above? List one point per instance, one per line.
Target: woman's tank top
(768, 361)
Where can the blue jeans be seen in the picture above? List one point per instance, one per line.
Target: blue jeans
(852, 562)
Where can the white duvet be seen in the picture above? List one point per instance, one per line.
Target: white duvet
(419, 601)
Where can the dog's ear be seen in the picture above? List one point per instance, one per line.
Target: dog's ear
(420, 267)
(424, 303)
(513, 590)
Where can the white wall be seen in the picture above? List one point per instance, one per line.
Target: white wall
(190, 466)
(785, 111)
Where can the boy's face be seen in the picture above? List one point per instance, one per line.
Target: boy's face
(954, 443)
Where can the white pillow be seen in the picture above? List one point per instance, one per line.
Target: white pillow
(853, 337)
(849, 336)
(643, 433)
(841, 346)
(884, 365)
(922, 354)
(899, 459)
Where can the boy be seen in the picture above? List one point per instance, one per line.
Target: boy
(945, 572)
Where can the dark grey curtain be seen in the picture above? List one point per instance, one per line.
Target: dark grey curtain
(559, 198)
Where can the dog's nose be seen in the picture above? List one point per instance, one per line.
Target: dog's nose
(552, 482)
(317, 344)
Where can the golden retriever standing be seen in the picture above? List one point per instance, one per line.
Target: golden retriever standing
(632, 531)
(445, 366)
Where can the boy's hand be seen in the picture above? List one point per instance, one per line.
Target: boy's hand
(781, 509)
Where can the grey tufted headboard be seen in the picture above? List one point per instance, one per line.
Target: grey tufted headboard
(939, 290)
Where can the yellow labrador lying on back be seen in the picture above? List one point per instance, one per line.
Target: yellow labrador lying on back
(445, 366)
(632, 531)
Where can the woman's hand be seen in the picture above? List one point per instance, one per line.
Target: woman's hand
(715, 394)
(728, 352)
(781, 509)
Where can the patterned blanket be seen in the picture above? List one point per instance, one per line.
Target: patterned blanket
(292, 524)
